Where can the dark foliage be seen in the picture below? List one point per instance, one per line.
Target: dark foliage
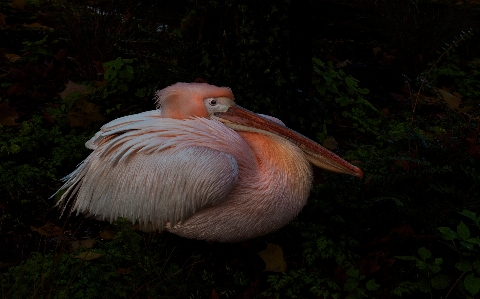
(411, 122)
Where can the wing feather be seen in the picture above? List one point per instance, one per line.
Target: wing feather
(155, 170)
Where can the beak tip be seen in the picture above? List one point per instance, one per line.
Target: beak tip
(359, 173)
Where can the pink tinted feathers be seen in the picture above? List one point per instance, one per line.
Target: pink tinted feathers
(183, 100)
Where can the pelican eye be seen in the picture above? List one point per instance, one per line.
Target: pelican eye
(213, 102)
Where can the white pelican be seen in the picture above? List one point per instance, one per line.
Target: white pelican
(199, 166)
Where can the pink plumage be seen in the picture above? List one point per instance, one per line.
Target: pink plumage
(200, 166)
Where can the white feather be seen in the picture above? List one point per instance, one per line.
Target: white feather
(153, 170)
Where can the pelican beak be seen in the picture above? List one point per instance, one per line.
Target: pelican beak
(241, 119)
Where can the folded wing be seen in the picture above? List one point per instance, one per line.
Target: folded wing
(151, 171)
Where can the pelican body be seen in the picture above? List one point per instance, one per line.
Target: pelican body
(199, 166)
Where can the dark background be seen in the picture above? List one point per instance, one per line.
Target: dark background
(391, 86)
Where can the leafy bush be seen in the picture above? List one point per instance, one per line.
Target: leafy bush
(111, 270)
(458, 274)
(57, 151)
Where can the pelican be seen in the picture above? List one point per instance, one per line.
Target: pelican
(199, 166)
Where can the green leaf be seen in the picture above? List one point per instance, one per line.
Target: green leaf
(350, 285)
(434, 268)
(404, 287)
(424, 253)
(351, 84)
(475, 240)
(472, 284)
(447, 233)
(372, 285)
(352, 272)
(467, 245)
(363, 90)
(438, 261)
(476, 266)
(463, 231)
(343, 101)
(440, 282)
(464, 266)
(470, 215)
(424, 286)
(421, 265)
(318, 62)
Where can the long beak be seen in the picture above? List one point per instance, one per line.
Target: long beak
(242, 119)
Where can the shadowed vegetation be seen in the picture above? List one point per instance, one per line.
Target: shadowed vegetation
(391, 86)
